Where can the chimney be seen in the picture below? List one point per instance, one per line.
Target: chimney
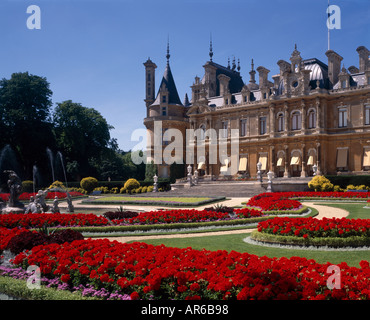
(263, 73)
(364, 58)
(224, 84)
(334, 63)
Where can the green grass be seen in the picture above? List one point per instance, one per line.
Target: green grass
(235, 242)
(356, 210)
(156, 199)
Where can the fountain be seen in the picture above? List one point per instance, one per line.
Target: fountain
(59, 154)
(15, 189)
(51, 159)
(34, 177)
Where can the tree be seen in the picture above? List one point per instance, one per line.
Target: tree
(82, 133)
(25, 102)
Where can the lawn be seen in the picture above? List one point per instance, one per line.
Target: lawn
(235, 242)
(159, 201)
(356, 210)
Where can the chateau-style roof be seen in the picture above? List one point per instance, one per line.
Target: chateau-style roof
(319, 72)
(236, 82)
(168, 83)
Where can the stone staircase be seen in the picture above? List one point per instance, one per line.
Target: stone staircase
(230, 189)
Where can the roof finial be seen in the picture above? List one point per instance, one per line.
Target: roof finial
(168, 50)
(234, 65)
(210, 48)
(295, 47)
(238, 68)
(252, 65)
(228, 62)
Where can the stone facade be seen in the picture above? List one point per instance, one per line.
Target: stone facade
(311, 113)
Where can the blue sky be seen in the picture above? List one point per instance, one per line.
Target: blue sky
(92, 52)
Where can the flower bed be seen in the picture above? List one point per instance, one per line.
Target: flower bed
(322, 194)
(186, 216)
(273, 202)
(37, 220)
(158, 272)
(25, 196)
(310, 231)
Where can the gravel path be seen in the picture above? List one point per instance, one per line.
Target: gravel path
(324, 211)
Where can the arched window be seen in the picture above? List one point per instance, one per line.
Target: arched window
(280, 118)
(296, 120)
(311, 119)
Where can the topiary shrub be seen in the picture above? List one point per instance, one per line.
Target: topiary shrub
(89, 184)
(131, 184)
(320, 183)
(57, 185)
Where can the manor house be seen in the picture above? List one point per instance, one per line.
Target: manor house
(312, 115)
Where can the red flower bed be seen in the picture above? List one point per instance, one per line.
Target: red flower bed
(7, 234)
(186, 215)
(37, 220)
(25, 196)
(311, 227)
(273, 201)
(158, 272)
(321, 194)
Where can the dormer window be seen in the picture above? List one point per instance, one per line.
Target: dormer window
(344, 84)
(164, 99)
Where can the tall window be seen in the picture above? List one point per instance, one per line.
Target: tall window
(311, 119)
(296, 121)
(342, 118)
(262, 125)
(224, 132)
(164, 111)
(243, 127)
(202, 134)
(280, 122)
(367, 115)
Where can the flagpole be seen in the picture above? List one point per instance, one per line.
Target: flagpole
(328, 25)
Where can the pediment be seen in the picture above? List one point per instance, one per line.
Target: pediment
(198, 109)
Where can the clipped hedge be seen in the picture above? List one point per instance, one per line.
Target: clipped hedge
(335, 242)
(344, 181)
(18, 289)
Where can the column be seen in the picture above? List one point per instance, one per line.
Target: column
(303, 116)
(303, 172)
(286, 118)
(318, 115)
(272, 120)
(318, 157)
(272, 160)
(287, 158)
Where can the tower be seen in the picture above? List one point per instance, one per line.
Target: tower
(164, 111)
(150, 67)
